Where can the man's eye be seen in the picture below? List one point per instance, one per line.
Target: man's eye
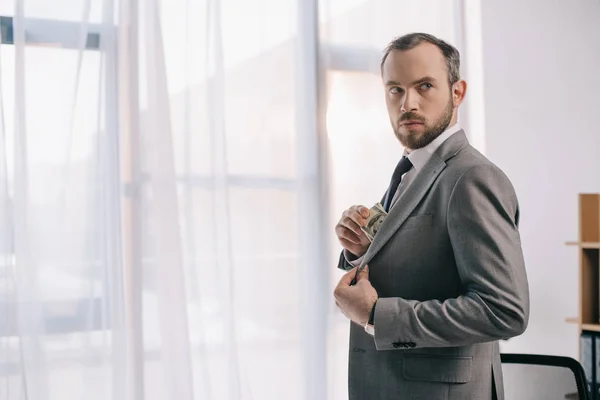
(426, 86)
(395, 90)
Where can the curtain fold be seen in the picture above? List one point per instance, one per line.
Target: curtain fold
(162, 241)
(215, 114)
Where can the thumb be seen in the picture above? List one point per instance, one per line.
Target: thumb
(363, 274)
(347, 278)
(364, 211)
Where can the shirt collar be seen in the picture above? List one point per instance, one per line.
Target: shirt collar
(419, 157)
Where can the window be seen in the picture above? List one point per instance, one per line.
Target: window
(57, 285)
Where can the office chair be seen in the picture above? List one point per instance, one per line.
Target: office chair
(541, 377)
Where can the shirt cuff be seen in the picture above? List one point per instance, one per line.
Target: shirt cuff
(351, 258)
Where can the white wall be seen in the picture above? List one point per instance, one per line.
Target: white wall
(541, 63)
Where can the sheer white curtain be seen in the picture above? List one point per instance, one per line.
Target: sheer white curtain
(170, 175)
(159, 204)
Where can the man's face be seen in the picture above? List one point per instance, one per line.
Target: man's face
(420, 101)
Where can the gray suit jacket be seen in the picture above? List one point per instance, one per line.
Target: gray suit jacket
(448, 267)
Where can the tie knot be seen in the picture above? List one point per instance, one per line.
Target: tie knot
(404, 165)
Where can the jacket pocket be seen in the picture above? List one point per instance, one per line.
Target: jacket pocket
(430, 368)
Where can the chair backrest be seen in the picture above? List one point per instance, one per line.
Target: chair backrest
(537, 377)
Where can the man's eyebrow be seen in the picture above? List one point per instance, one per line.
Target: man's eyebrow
(424, 79)
(420, 80)
(392, 83)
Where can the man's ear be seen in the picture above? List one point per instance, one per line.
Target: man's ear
(459, 90)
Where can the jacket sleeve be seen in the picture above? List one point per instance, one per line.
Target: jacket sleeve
(348, 260)
(482, 223)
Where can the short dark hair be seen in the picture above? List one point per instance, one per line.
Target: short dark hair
(412, 40)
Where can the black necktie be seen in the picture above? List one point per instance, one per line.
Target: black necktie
(403, 167)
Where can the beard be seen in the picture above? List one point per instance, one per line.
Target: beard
(412, 140)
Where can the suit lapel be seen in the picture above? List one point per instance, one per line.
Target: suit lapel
(415, 192)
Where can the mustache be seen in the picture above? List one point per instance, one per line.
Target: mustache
(410, 116)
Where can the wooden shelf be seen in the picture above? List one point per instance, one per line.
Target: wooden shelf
(589, 217)
(585, 245)
(588, 247)
(572, 320)
(591, 327)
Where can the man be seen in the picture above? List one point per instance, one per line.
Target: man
(444, 278)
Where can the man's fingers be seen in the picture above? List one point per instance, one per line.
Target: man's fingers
(351, 247)
(352, 225)
(364, 211)
(363, 274)
(345, 233)
(354, 216)
(347, 278)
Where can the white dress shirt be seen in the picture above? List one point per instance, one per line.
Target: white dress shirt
(418, 158)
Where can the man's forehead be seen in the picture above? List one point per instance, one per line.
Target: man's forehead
(423, 60)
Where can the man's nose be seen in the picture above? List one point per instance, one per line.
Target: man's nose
(409, 103)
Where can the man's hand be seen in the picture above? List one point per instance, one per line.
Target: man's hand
(356, 301)
(348, 231)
